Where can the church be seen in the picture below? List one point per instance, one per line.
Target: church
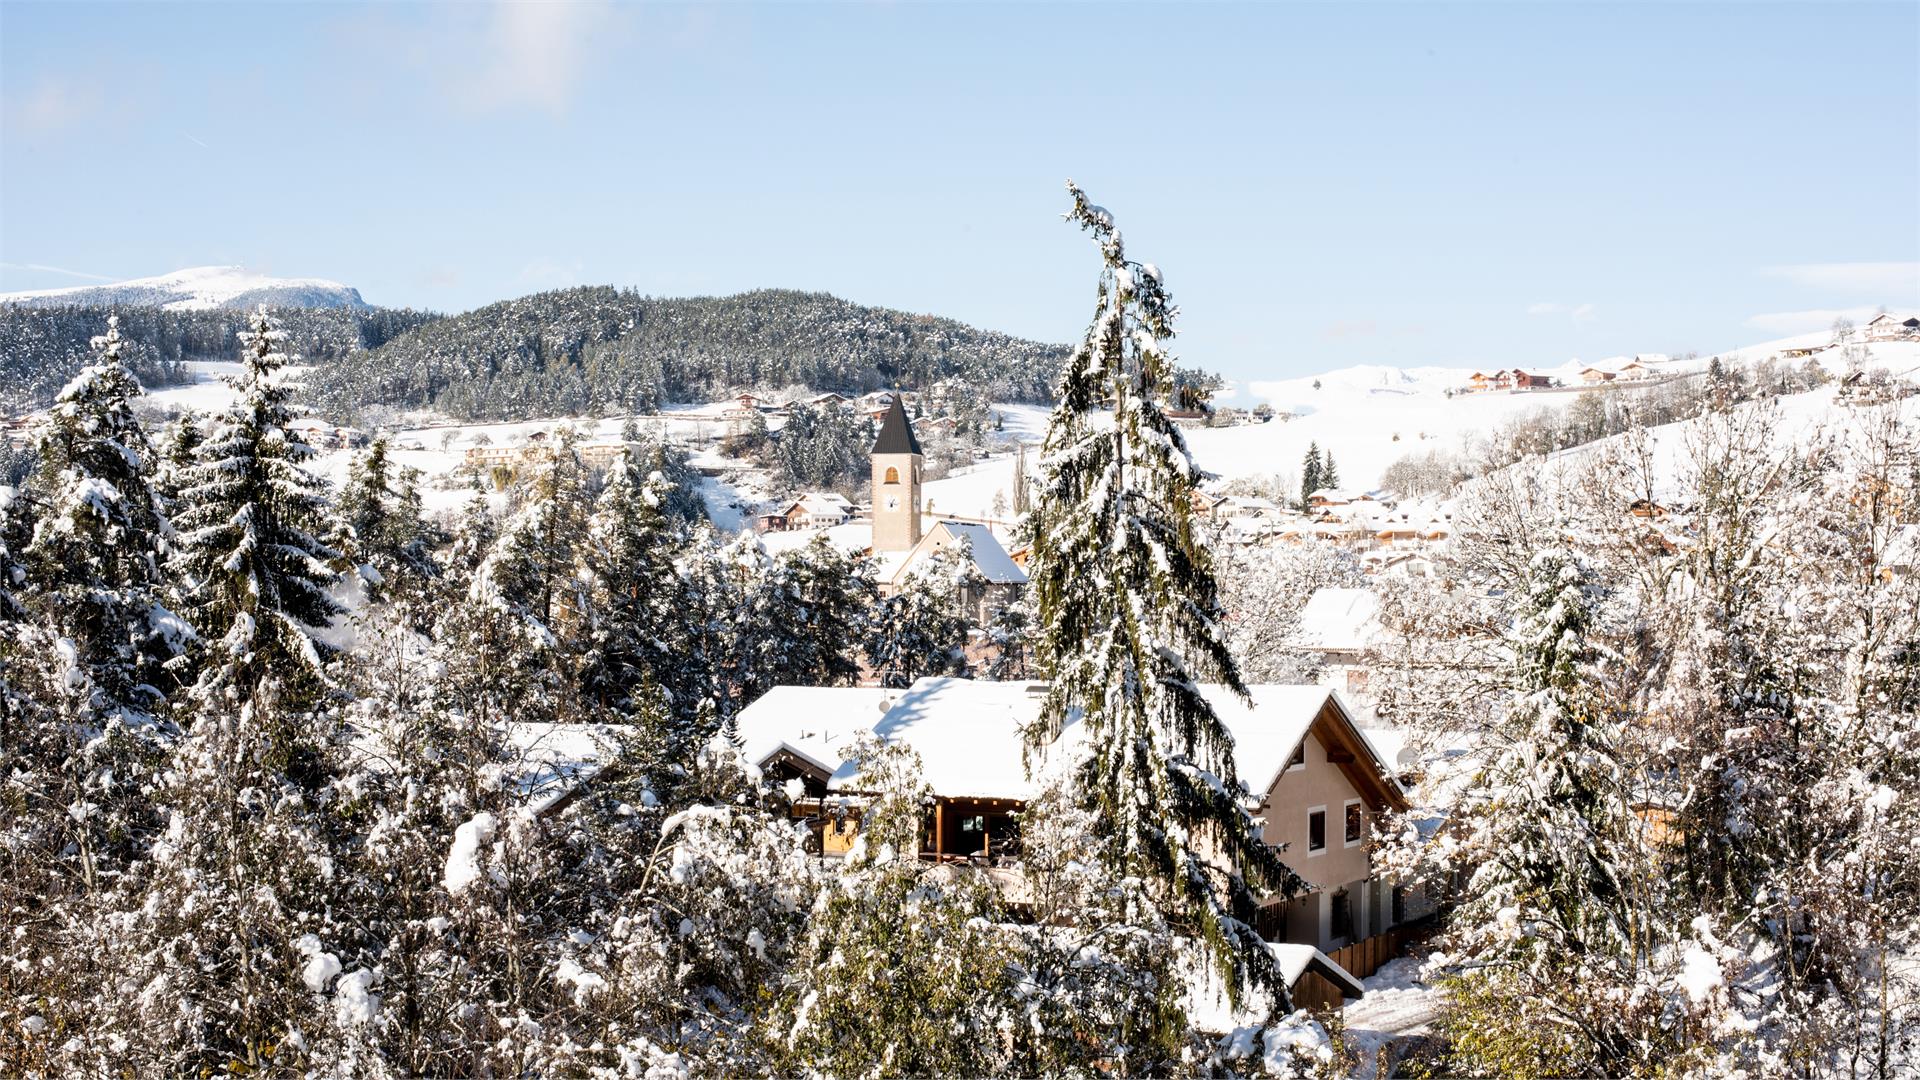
(902, 537)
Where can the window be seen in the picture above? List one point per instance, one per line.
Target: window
(893, 476)
(1342, 916)
(1299, 758)
(1356, 822)
(1316, 830)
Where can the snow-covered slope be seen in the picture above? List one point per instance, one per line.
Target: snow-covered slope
(200, 288)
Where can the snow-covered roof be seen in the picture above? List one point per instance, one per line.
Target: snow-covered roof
(551, 758)
(970, 735)
(989, 558)
(816, 723)
(1339, 620)
(1296, 960)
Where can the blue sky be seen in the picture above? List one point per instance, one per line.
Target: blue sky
(1323, 185)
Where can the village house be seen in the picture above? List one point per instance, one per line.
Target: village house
(812, 510)
(1889, 327)
(1594, 376)
(1319, 782)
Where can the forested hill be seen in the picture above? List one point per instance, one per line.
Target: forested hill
(43, 345)
(588, 349)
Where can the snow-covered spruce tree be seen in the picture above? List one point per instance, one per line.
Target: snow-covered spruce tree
(902, 971)
(101, 542)
(207, 951)
(250, 518)
(922, 628)
(385, 535)
(177, 453)
(1130, 623)
(1010, 635)
(87, 658)
(1557, 929)
(804, 620)
(635, 594)
(714, 577)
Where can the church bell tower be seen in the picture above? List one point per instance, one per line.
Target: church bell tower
(896, 482)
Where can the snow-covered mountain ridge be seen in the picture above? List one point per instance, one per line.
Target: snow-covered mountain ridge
(199, 288)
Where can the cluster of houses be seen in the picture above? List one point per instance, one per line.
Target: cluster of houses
(1514, 379)
(539, 447)
(1387, 533)
(1639, 368)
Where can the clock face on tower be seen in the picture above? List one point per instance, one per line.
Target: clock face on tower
(893, 502)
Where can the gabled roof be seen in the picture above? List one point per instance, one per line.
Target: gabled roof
(896, 432)
(970, 734)
(1296, 960)
(989, 558)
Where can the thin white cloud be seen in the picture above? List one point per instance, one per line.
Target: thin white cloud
(1893, 280)
(1352, 329)
(52, 105)
(1581, 314)
(533, 54)
(45, 269)
(1789, 323)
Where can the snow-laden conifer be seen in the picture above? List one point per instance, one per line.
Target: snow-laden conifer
(1130, 623)
(251, 517)
(101, 542)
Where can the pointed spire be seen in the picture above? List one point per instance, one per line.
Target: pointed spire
(896, 432)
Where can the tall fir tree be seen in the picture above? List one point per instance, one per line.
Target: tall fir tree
(251, 518)
(805, 619)
(383, 528)
(636, 599)
(1559, 903)
(1312, 475)
(100, 545)
(1130, 624)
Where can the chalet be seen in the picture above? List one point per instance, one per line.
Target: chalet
(1206, 502)
(1799, 352)
(1889, 327)
(813, 510)
(1320, 783)
(1481, 380)
(1594, 376)
(1527, 380)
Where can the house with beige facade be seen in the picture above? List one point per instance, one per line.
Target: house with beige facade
(1320, 784)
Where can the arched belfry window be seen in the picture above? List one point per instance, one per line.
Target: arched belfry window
(893, 475)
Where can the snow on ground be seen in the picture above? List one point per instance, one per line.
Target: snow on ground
(1397, 1004)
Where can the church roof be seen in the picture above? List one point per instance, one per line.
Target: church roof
(896, 433)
